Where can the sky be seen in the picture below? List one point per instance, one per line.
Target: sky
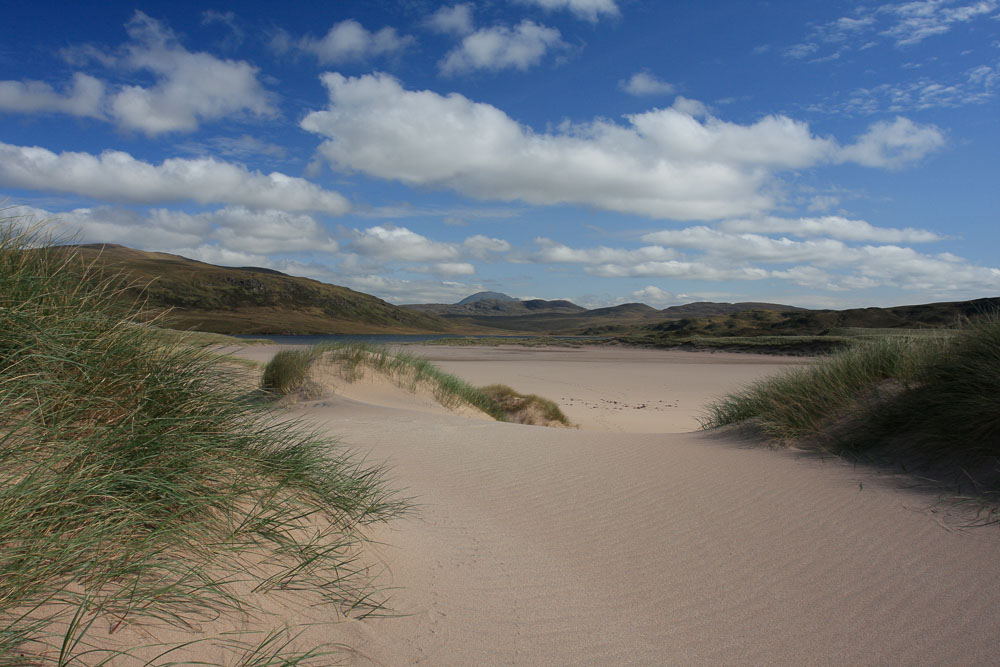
(817, 154)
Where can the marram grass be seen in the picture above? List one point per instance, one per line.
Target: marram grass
(137, 486)
(411, 371)
(929, 398)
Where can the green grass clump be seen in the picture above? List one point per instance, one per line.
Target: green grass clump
(526, 408)
(926, 398)
(139, 487)
(411, 371)
(287, 371)
(801, 401)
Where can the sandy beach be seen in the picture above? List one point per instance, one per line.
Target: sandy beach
(637, 540)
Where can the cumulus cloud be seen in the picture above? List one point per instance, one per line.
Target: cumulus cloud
(481, 246)
(702, 253)
(349, 40)
(399, 243)
(749, 247)
(547, 250)
(588, 10)
(454, 20)
(500, 47)
(644, 83)
(117, 176)
(664, 163)
(833, 226)
(190, 87)
(84, 97)
(894, 144)
(230, 232)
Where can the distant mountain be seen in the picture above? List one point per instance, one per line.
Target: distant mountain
(710, 308)
(485, 296)
(496, 308)
(250, 300)
(631, 310)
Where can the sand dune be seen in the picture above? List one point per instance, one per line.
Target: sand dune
(613, 544)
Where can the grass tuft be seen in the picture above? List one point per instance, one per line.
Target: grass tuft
(526, 408)
(287, 371)
(411, 371)
(138, 487)
(926, 399)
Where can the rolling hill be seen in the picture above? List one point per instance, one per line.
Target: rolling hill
(250, 300)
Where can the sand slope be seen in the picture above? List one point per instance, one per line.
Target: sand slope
(555, 547)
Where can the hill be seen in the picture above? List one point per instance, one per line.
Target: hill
(710, 308)
(481, 296)
(831, 325)
(496, 308)
(251, 300)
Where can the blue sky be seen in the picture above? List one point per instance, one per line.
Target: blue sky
(829, 154)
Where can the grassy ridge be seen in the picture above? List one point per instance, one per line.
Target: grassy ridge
(138, 487)
(248, 300)
(929, 399)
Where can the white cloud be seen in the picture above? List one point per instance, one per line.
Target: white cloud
(678, 269)
(749, 247)
(644, 83)
(400, 290)
(825, 263)
(833, 226)
(117, 176)
(236, 230)
(501, 47)
(977, 85)
(269, 231)
(84, 98)
(399, 243)
(904, 23)
(664, 163)
(655, 296)
(481, 246)
(920, 19)
(454, 20)
(548, 250)
(349, 40)
(190, 88)
(231, 235)
(894, 144)
(446, 269)
(589, 10)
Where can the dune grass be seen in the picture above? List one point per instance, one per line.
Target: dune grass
(412, 371)
(526, 408)
(287, 371)
(138, 487)
(931, 398)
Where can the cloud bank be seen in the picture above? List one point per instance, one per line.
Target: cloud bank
(675, 162)
(119, 177)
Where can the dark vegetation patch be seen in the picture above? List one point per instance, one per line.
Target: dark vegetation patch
(930, 404)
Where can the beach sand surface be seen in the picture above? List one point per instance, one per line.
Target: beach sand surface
(631, 541)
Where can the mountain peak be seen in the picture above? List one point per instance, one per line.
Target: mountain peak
(483, 296)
